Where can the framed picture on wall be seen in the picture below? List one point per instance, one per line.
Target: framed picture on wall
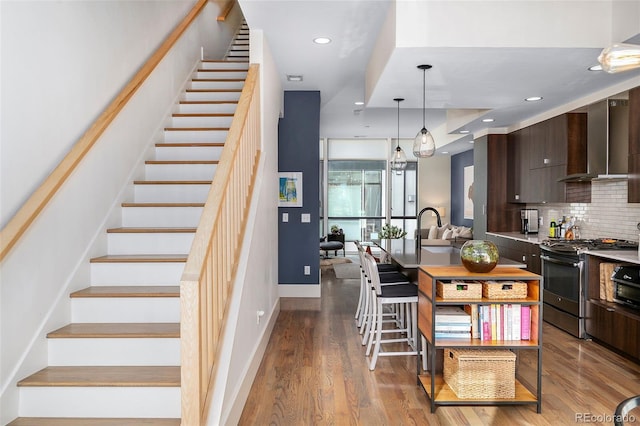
(290, 192)
(468, 192)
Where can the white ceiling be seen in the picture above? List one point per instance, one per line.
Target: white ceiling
(485, 61)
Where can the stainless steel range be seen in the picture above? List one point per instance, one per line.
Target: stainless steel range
(564, 273)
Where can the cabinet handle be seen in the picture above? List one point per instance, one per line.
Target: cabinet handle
(610, 310)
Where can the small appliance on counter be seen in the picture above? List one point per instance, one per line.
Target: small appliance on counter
(626, 286)
(529, 221)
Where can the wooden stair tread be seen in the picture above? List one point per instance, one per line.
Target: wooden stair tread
(187, 162)
(196, 129)
(140, 258)
(91, 421)
(218, 80)
(213, 90)
(150, 230)
(94, 376)
(208, 102)
(222, 70)
(116, 330)
(129, 291)
(172, 182)
(201, 114)
(189, 144)
(162, 204)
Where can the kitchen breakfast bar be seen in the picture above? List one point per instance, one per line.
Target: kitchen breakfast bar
(403, 253)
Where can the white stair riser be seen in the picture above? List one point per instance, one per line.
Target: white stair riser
(224, 65)
(122, 310)
(226, 107)
(238, 53)
(180, 171)
(211, 74)
(100, 402)
(176, 217)
(149, 242)
(211, 96)
(217, 85)
(191, 193)
(114, 351)
(188, 153)
(224, 122)
(195, 135)
(133, 243)
(167, 273)
(241, 42)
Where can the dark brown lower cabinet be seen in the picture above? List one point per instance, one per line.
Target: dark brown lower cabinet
(520, 251)
(615, 326)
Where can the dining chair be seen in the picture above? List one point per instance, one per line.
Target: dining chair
(403, 295)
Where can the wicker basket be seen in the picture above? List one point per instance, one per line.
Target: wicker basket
(480, 373)
(459, 289)
(504, 290)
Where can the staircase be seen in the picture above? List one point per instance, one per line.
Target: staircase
(239, 49)
(118, 362)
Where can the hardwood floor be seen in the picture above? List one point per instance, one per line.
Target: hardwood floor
(315, 372)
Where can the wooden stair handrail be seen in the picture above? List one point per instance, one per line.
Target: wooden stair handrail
(25, 216)
(226, 10)
(209, 275)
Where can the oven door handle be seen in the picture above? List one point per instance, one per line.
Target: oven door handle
(560, 262)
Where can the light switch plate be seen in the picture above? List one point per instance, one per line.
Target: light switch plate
(305, 217)
(285, 217)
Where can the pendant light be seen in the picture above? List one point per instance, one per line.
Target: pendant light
(423, 145)
(620, 57)
(398, 158)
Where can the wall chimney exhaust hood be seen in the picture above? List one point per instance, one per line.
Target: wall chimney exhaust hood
(607, 141)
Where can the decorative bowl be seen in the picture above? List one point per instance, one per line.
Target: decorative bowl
(479, 255)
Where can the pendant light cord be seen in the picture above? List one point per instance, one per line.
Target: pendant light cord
(424, 95)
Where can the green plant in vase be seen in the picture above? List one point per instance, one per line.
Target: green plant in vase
(391, 232)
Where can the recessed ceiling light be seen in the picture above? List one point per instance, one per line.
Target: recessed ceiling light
(464, 131)
(359, 103)
(322, 40)
(471, 141)
(487, 120)
(595, 68)
(444, 152)
(533, 98)
(294, 78)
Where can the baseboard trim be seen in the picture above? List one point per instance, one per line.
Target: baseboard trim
(299, 290)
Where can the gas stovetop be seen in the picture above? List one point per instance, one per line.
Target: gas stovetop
(560, 245)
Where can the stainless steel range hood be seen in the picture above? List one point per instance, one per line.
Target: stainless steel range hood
(607, 141)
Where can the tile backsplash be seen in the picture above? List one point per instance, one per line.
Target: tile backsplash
(607, 216)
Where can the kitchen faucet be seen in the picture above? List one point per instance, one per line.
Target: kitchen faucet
(419, 236)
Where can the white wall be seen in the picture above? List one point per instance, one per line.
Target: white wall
(434, 187)
(62, 62)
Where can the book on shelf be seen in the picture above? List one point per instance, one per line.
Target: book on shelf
(501, 322)
(452, 314)
(452, 334)
(525, 322)
(453, 327)
(472, 310)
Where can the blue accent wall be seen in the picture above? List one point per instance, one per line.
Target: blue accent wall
(458, 163)
(298, 151)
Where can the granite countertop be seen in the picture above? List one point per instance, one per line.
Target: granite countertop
(437, 253)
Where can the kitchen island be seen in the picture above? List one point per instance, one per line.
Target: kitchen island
(436, 253)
